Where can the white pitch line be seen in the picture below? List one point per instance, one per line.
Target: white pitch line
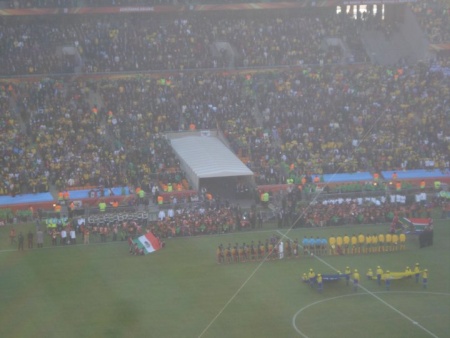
(237, 292)
(294, 318)
(374, 295)
(233, 297)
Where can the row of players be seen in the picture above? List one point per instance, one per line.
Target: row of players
(340, 245)
(274, 248)
(357, 244)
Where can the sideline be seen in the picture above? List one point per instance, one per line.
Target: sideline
(373, 295)
(294, 318)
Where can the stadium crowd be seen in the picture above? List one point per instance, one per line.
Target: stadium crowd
(68, 143)
(308, 120)
(112, 138)
(96, 3)
(331, 214)
(433, 16)
(358, 119)
(312, 121)
(134, 43)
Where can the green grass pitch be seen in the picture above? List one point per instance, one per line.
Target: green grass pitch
(99, 290)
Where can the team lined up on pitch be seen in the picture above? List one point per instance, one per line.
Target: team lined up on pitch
(271, 248)
(362, 244)
(275, 248)
(382, 277)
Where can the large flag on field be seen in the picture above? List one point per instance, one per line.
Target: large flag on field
(398, 275)
(148, 242)
(417, 225)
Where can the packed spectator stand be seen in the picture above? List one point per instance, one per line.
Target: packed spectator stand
(433, 17)
(108, 3)
(134, 43)
(293, 109)
(79, 3)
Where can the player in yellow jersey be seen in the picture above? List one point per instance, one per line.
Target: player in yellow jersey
(381, 240)
(346, 241)
(361, 242)
(332, 245)
(395, 242)
(375, 243)
(389, 242)
(354, 243)
(402, 239)
(339, 243)
(368, 244)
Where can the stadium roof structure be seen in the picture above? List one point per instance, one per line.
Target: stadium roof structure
(208, 157)
(208, 162)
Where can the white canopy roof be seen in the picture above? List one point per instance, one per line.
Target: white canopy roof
(208, 157)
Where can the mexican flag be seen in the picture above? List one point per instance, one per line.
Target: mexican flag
(148, 242)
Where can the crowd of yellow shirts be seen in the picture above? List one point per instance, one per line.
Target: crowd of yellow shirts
(363, 244)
